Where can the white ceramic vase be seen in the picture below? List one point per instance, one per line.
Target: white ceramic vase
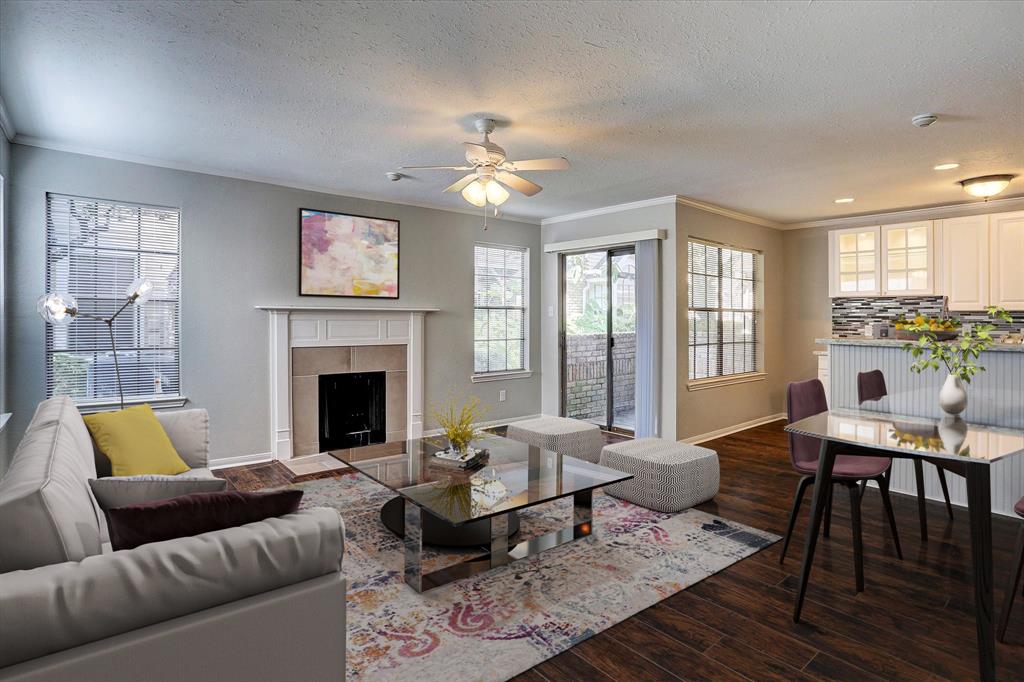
(953, 396)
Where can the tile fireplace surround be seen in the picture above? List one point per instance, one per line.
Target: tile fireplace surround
(350, 340)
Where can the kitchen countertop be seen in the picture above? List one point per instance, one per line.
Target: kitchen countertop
(899, 343)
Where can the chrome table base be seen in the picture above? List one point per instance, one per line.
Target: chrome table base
(499, 553)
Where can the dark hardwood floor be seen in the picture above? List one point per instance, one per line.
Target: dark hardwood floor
(914, 620)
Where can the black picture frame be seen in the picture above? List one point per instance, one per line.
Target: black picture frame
(398, 265)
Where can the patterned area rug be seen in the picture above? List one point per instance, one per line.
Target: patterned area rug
(497, 624)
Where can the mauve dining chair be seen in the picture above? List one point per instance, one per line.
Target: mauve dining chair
(1015, 576)
(871, 387)
(805, 399)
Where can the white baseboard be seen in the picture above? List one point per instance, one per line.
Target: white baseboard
(239, 460)
(489, 424)
(728, 430)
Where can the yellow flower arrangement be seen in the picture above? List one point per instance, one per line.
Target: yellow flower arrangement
(459, 421)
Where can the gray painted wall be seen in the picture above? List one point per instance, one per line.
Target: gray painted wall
(5, 172)
(240, 249)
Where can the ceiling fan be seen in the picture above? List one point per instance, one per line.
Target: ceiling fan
(491, 169)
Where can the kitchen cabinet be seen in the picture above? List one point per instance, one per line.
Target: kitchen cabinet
(1006, 260)
(884, 260)
(965, 262)
(982, 260)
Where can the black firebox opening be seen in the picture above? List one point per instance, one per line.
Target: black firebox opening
(351, 410)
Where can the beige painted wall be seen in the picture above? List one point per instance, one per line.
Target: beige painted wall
(807, 309)
(710, 409)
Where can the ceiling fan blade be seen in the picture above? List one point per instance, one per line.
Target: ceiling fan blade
(460, 184)
(435, 167)
(517, 183)
(557, 163)
(476, 153)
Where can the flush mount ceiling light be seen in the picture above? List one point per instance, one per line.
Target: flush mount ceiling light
(947, 166)
(986, 186)
(844, 200)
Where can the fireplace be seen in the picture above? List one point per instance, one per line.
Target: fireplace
(352, 409)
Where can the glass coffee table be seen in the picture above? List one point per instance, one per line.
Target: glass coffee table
(440, 504)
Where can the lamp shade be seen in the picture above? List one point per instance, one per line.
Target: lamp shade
(139, 291)
(496, 194)
(986, 186)
(57, 309)
(475, 194)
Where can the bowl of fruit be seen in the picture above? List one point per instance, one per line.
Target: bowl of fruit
(943, 329)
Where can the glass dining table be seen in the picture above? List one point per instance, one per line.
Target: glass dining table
(971, 448)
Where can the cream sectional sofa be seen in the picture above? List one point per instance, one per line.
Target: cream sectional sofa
(264, 601)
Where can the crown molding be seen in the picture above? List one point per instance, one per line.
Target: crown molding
(905, 216)
(6, 124)
(278, 182)
(729, 213)
(606, 210)
(660, 201)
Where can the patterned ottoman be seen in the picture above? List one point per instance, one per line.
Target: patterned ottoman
(667, 476)
(571, 437)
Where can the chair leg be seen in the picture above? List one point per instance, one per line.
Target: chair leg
(922, 513)
(863, 488)
(858, 545)
(828, 512)
(945, 490)
(1011, 587)
(883, 488)
(801, 488)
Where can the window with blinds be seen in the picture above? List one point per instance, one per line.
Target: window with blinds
(723, 310)
(94, 250)
(499, 316)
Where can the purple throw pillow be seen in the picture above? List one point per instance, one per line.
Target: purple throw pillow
(187, 515)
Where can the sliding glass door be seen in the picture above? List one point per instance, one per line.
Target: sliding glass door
(598, 337)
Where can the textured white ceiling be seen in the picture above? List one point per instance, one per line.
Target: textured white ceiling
(773, 109)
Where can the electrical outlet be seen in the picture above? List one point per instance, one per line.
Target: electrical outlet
(551, 311)
(501, 396)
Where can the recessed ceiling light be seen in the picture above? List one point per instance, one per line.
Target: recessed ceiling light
(845, 200)
(947, 166)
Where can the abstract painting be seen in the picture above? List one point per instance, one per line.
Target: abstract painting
(347, 255)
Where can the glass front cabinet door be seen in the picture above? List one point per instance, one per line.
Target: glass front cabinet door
(883, 260)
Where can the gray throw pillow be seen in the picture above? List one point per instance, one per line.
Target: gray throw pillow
(121, 491)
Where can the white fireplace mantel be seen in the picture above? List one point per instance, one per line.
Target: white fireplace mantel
(294, 326)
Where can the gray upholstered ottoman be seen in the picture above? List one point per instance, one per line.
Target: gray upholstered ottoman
(667, 476)
(571, 437)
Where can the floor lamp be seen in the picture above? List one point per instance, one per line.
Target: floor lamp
(60, 309)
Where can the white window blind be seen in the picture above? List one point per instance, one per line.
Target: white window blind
(94, 250)
(723, 312)
(499, 300)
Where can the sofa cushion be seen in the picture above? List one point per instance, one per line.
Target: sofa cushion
(128, 490)
(47, 515)
(195, 514)
(58, 607)
(134, 442)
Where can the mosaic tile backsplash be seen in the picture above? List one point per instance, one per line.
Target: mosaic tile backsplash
(849, 315)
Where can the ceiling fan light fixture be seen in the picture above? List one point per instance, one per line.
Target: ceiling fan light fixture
(986, 186)
(475, 194)
(496, 194)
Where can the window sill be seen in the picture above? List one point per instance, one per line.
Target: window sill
(715, 382)
(157, 402)
(500, 376)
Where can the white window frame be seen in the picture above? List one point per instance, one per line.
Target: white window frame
(157, 401)
(759, 323)
(501, 375)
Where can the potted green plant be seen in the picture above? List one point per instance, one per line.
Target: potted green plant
(959, 356)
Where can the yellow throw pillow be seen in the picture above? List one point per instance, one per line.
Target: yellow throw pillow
(134, 442)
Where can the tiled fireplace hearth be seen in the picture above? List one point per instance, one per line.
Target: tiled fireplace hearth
(308, 342)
